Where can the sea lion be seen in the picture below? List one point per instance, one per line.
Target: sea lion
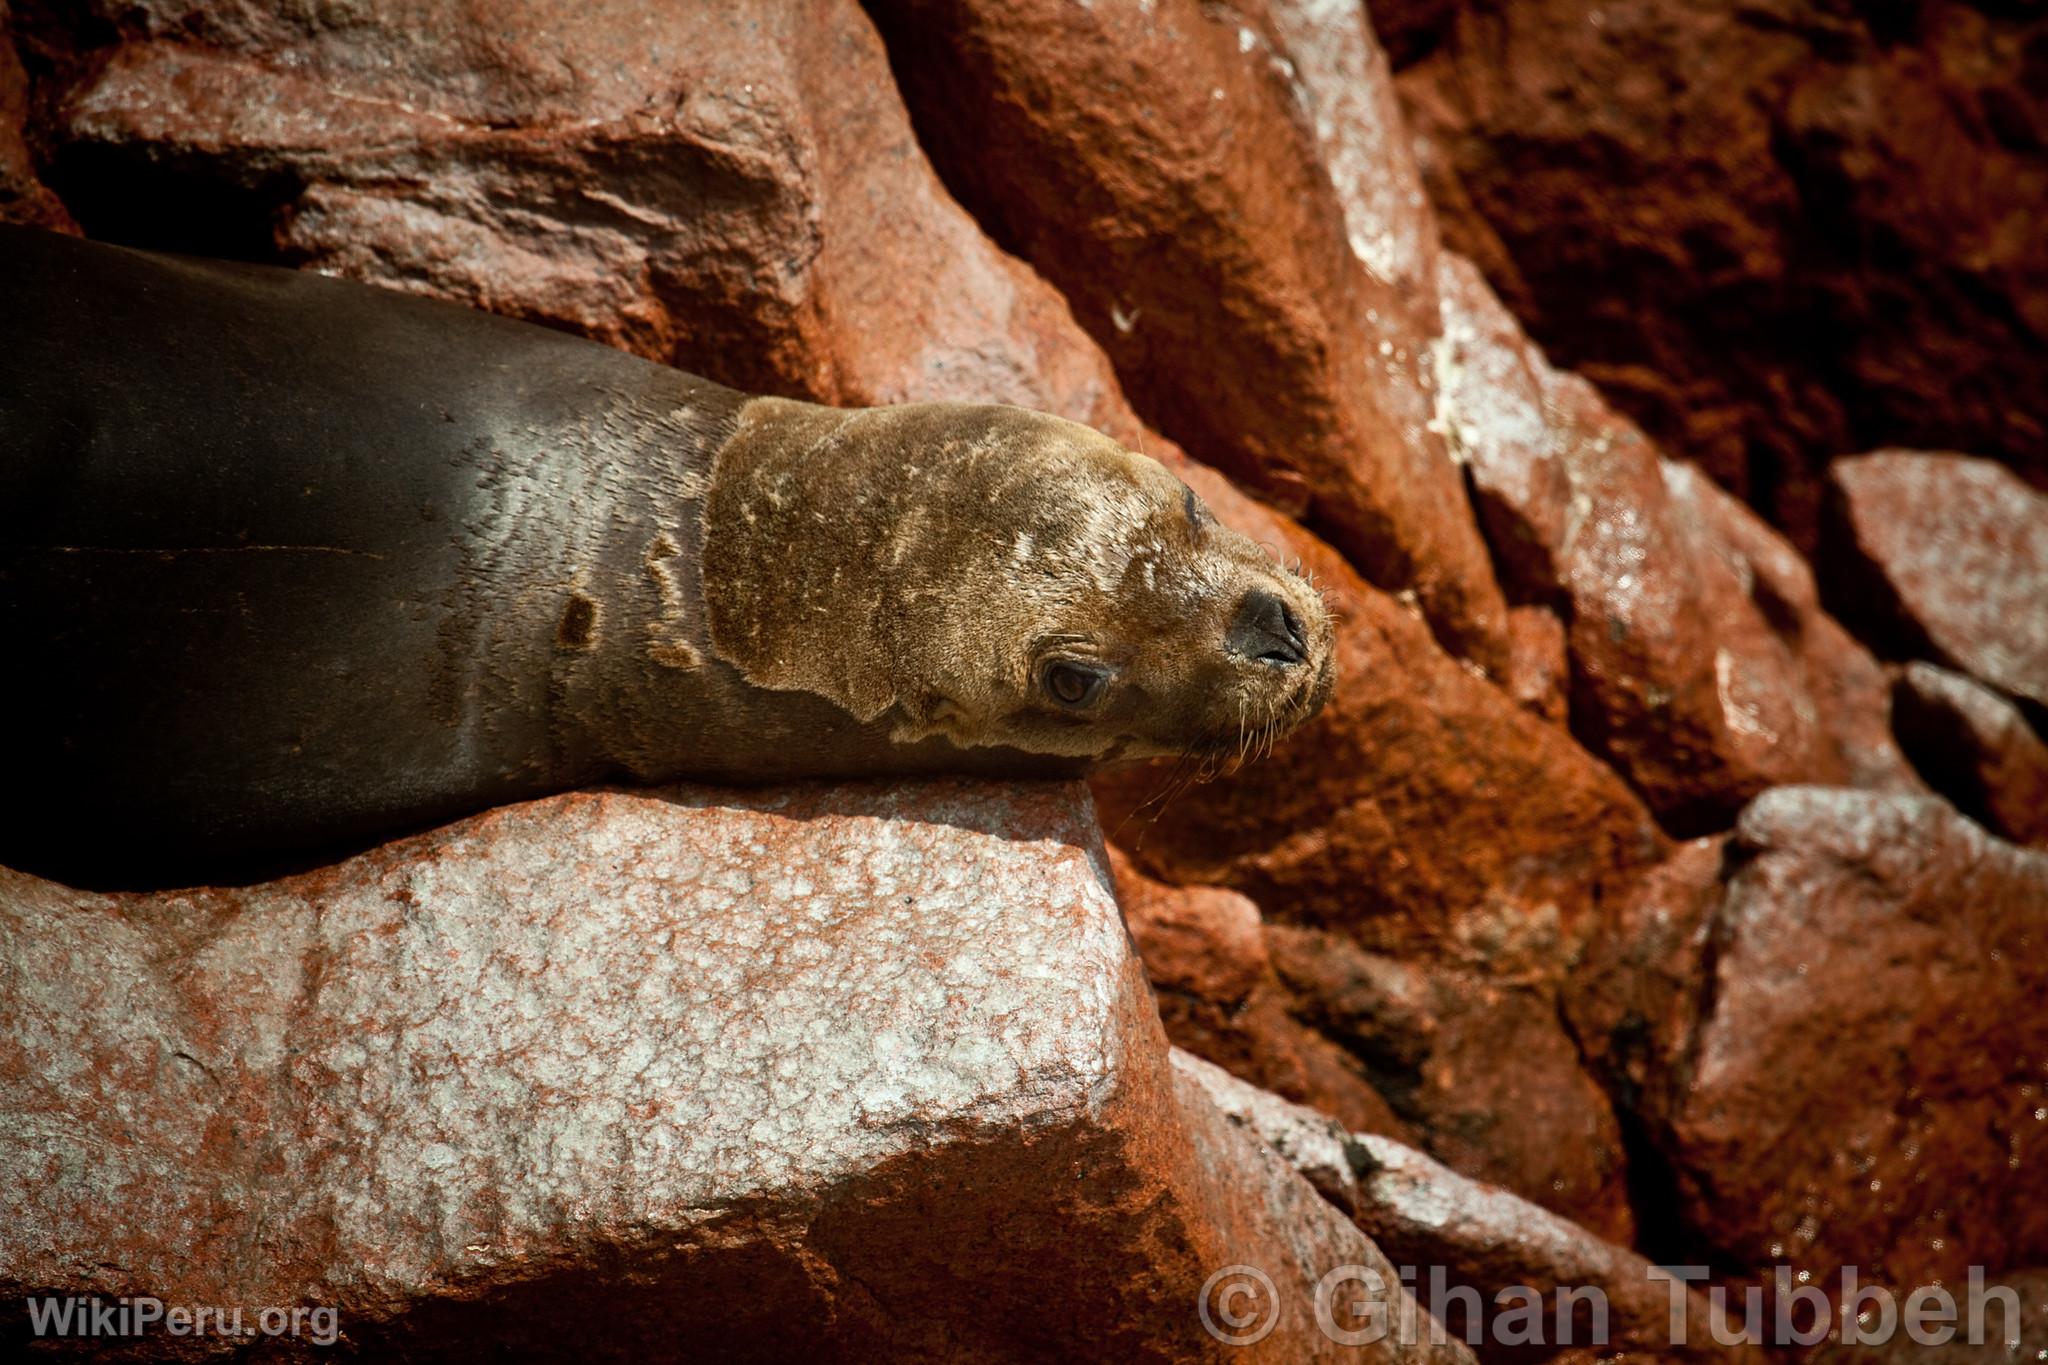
(290, 563)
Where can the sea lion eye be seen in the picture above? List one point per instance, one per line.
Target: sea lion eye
(1074, 684)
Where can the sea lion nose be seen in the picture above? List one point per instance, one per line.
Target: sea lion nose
(1267, 631)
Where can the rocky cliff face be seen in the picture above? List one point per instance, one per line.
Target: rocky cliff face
(1664, 881)
(1773, 232)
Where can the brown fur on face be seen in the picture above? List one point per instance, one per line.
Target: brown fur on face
(954, 570)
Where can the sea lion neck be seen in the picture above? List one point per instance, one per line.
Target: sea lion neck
(891, 507)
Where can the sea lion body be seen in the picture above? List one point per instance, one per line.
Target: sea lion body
(288, 563)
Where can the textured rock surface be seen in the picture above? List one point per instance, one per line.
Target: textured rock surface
(1945, 557)
(1422, 811)
(1340, 79)
(1696, 642)
(1425, 1214)
(1310, 1141)
(735, 189)
(1478, 1066)
(1539, 671)
(1478, 1069)
(2004, 1340)
(1158, 163)
(1205, 951)
(1634, 996)
(1833, 1038)
(1772, 230)
(1977, 748)
(23, 197)
(1839, 691)
(783, 1059)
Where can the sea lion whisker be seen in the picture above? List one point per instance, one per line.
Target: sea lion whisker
(1172, 785)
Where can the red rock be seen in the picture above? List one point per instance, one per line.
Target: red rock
(1421, 812)
(1430, 1219)
(1495, 394)
(1154, 163)
(1852, 692)
(2023, 1338)
(1834, 1043)
(1204, 950)
(733, 189)
(23, 197)
(1840, 691)
(1770, 231)
(1250, 1178)
(1312, 1142)
(1479, 1067)
(1695, 637)
(1946, 557)
(1341, 79)
(1199, 940)
(1977, 748)
(1539, 668)
(846, 1072)
(1426, 815)
(1424, 1214)
(1633, 998)
(1576, 497)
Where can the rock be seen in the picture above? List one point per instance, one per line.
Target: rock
(1634, 996)
(1198, 941)
(846, 1072)
(1852, 692)
(1424, 1214)
(1342, 82)
(1479, 1066)
(733, 189)
(1770, 231)
(1424, 815)
(1807, 676)
(1429, 1219)
(1161, 166)
(1204, 950)
(1945, 557)
(1478, 1070)
(1539, 668)
(1422, 812)
(1832, 1042)
(1695, 638)
(1313, 1143)
(1314, 1241)
(2021, 1336)
(23, 197)
(1574, 497)
(1976, 748)
(1507, 415)
(1267, 1212)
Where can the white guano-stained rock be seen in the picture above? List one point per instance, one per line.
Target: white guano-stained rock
(833, 1072)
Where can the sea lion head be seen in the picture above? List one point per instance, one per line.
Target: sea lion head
(1002, 577)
